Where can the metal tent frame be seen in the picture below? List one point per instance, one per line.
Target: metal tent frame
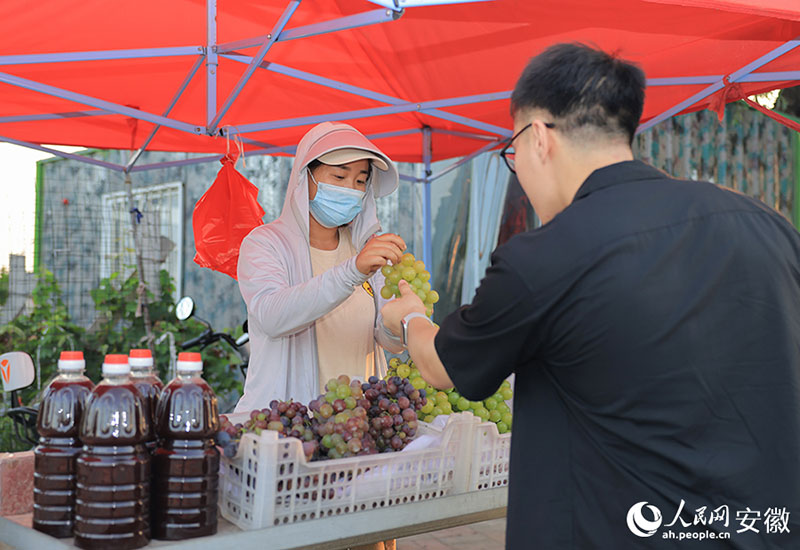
(207, 56)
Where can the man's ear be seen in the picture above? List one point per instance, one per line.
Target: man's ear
(541, 140)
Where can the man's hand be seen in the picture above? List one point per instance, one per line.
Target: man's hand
(421, 346)
(394, 311)
(379, 250)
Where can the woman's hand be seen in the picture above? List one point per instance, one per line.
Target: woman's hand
(379, 250)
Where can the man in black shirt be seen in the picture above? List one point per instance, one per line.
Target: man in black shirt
(653, 326)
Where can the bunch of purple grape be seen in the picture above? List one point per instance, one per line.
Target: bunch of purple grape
(353, 419)
(393, 411)
(288, 418)
(228, 436)
(344, 434)
(340, 420)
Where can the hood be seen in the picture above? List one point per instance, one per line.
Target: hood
(324, 138)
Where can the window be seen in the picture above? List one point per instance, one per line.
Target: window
(160, 232)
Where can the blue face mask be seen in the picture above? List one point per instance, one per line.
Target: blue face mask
(333, 206)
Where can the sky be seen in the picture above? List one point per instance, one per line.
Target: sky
(18, 200)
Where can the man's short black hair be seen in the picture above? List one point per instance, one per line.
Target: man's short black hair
(583, 87)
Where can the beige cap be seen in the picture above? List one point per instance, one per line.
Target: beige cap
(338, 157)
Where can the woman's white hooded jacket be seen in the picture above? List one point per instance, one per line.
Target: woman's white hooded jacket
(283, 298)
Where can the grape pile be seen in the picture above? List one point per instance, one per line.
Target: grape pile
(393, 411)
(288, 418)
(340, 420)
(374, 416)
(350, 419)
(493, 408)
(413, 271)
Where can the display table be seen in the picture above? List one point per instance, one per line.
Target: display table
(333, 533)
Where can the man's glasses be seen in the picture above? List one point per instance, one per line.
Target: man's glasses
(508, 152)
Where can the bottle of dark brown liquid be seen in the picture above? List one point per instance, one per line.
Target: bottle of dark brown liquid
(56, 455)
(149, 385)
(113, 474)
(186, 462)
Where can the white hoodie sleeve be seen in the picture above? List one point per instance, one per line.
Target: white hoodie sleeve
(278, 308)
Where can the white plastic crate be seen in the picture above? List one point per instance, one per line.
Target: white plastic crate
(269, 482)
(491, 456)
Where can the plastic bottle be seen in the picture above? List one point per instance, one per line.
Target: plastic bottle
(149, 385)
(113, 474)
(186, 462)
(56, 455)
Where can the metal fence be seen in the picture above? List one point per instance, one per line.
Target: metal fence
(745, 151)
(83, 242)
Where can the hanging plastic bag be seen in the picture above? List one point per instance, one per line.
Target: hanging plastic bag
(223, 217)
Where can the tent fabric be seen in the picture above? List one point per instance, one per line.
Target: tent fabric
(430, 53)
(787, 9)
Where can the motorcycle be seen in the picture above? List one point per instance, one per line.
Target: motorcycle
(17, 372)
(185, 309)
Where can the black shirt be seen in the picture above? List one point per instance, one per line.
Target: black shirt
(654, 329)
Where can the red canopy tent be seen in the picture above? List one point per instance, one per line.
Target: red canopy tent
(426, 79)
(95, 74)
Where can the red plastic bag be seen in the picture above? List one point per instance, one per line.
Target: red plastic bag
(223, 217)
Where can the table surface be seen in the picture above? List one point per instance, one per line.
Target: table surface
(331, 533)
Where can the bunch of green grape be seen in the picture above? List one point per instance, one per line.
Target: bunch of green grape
(493, 408)
(448, 401)
(413, 271)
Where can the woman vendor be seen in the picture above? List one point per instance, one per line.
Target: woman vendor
(309, 278)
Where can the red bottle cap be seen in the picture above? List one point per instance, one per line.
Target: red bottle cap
(189, 362)
(71, 361)
(116, 364)
(140, 359)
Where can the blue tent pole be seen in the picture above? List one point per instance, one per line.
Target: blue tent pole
(254, 63)
(212, 60)
(98, 103)
(427, 153)
(62, 154)
(735, 76)
(100, 55)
